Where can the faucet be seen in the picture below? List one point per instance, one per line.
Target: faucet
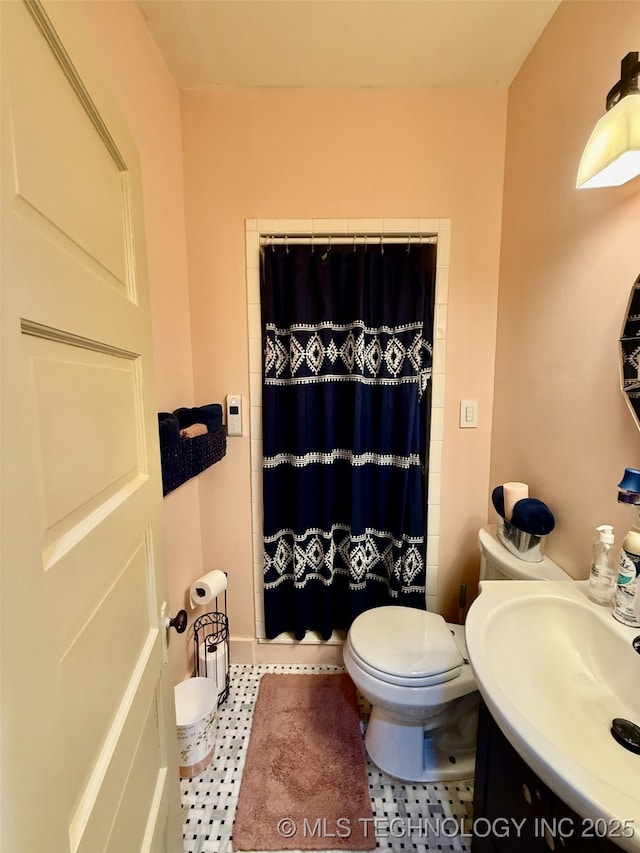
(626, 733)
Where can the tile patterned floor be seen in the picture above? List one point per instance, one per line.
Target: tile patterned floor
(407, 817)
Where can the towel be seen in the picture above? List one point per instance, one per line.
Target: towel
(533, 516)
(193, 431)
(169, 429)
(210, 415)
(497, 497)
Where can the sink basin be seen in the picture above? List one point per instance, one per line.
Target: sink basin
(554, 670)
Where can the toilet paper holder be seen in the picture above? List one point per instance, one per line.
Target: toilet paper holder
(211, 650)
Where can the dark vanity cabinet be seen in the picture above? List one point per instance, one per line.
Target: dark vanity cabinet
(515, 812)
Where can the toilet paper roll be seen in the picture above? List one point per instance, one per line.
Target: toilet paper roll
(513, 492)
(212, 663)
(208, 587)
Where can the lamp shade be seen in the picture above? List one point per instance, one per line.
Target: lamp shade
(612, 154)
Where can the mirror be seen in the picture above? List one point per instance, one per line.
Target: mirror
(630, 353)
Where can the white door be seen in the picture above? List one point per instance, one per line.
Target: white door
(88, 728)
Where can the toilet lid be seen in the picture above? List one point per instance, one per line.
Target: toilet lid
(405, 642)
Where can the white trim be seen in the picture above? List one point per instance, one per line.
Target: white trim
(257, 229)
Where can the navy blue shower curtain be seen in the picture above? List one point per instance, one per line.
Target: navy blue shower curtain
(347, 341)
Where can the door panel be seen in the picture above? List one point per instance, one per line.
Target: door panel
(88, 426)
(56, 172)
(145, 775)
(89, 758)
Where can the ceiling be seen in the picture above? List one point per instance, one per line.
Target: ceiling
(338, 43)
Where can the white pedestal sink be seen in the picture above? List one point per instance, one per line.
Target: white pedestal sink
(554, 670)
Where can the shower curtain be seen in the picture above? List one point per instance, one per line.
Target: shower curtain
(347, 343)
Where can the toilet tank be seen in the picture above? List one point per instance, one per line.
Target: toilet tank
(496, 563)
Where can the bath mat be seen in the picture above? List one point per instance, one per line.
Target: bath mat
(304, 784)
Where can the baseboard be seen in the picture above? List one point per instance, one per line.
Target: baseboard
(249, 650)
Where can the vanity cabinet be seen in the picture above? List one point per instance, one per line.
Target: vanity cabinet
(515, 812)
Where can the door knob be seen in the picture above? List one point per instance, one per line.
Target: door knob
(179, 621)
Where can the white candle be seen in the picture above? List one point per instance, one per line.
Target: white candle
(513, 492)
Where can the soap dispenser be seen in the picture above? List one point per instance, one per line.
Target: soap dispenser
(626, 606)
(604, 567)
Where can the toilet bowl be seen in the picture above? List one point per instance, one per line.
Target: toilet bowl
(413, 668)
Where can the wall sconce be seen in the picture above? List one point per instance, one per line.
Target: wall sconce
(612, 154)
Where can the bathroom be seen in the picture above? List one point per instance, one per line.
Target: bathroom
(538, 280)
(531, 335)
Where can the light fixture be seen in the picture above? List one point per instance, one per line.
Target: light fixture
(612, 154)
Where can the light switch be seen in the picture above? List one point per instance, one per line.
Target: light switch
(234, 414)
(468, 414)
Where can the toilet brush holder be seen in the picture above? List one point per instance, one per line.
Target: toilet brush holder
(526, 546)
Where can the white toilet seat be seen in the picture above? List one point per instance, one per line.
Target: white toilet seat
(405, 646)
(405, 681)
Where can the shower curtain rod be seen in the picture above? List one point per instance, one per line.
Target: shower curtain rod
(348, 239)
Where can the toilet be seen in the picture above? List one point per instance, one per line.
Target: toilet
(413, 668)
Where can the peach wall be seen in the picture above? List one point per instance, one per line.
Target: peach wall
(150, 102)
(569, 259)
(279, 154)
(559, 420)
